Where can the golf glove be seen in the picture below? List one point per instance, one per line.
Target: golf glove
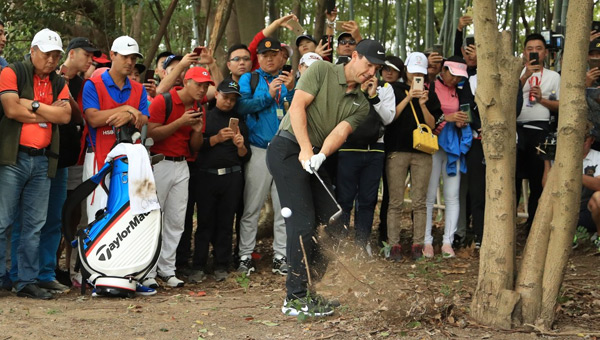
(314, 163)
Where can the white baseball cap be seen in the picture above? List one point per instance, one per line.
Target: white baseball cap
(309, 58)
(416, 63)
(126, 45)
(47, 40)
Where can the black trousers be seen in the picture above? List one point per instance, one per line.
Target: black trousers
(310, 205)
(184, 248)
(530, 166)
(218, 198)
(476, 177)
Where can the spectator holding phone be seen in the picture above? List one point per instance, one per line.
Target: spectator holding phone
(175, 67)
(593, 73)
(263, 109)
(239, 61)
(402, 157)
(177, 134)
(455, 141)
(268, 31)
(533, 124)
(220, 181)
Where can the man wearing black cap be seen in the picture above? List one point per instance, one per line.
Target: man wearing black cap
(327, 106)
(160, 60)
(593, 73)
(263, 108)
(175, 66)
(220, 179)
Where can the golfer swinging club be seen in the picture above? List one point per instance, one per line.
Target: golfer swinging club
(327, 106)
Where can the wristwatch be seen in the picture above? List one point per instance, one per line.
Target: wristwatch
(35, 105)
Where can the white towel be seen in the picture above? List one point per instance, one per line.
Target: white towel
(142, 189)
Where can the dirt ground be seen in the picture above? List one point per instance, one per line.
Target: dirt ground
(426, 299)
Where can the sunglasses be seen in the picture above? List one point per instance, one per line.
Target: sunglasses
(347, 42)
(236, 59)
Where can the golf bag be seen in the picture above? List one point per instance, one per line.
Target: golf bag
(118, 249)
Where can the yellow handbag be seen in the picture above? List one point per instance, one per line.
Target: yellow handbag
(423, 139)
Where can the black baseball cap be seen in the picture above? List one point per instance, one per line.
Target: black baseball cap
(343, 35)
(394, 63)
(85, 44)
(268, 44)
(170, 59)
(140, 68)
(229, 86)
(372, 50)
(305, 36)
(594, 45)
(162, 55)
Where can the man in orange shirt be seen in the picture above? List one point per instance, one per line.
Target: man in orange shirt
(35, 100)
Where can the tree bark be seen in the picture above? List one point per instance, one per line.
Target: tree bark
(136, 26)
(568, 163)
(161, 31)
(232, 32)
(297, 10)
(251, 19)
(221, 18)
(320, 18)
(494, 299)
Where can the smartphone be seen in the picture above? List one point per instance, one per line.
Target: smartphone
(418, 83)
(233, 124)
(64, 69)
(330, 6)
(594, 63)
(339, 26)
(296, 27)
(596, 26)
(536, 56)
(287, 68)
(198, 50)
(327, 40)
(469, 12)
(149, 75)
(466, 108)
(470, 41)
(439, 49)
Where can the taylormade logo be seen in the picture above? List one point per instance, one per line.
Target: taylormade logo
(105, 250)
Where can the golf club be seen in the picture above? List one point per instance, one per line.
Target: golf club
(337, 215)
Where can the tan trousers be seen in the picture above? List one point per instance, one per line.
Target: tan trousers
(397, 166)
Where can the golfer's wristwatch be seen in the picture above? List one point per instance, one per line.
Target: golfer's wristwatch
(35, 105)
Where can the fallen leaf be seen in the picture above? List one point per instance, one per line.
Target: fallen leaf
(269, 323)
(197, 294)
(453, 271)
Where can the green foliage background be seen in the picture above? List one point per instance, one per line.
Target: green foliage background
(101, 21)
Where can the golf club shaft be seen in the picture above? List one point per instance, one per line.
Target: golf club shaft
(326, 189)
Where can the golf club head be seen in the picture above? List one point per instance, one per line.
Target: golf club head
(335, 216)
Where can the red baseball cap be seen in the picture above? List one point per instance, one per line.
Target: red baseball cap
(103, 59)
(199, 75)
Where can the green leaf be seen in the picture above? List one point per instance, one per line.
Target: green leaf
(269, 323)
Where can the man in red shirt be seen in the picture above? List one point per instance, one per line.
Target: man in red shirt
(34, 99)
(177, 134)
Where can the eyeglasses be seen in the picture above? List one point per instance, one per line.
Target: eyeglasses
(237, 59)
(347, 42)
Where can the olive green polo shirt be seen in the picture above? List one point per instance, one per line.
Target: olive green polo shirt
(332, 103)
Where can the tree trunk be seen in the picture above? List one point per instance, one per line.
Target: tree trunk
(136, 26)
(568, 164)
(221, 18)
(524, 18)
(161, 15)
(232, 33)
(556, 14)
(400, 41)
(430, 17)
(320, 18)
(351, 9)
(418, 45)
(251, 19)
(161, 31)
(297, 10)
(273, 15)
(513, 24)
(494, 299)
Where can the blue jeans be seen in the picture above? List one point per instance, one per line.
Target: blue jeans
(51, 231)
(358, 177)
(25, 192)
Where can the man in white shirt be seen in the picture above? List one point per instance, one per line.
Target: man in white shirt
(541, 88)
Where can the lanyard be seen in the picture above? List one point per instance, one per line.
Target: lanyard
(278, 96)
(535, 81)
